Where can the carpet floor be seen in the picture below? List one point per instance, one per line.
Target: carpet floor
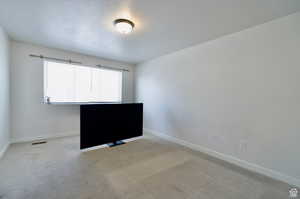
(148, 168)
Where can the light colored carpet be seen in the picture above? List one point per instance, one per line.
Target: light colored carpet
(147, 168)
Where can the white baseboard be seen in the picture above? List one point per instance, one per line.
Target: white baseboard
(3, 150)
(43, 137)
(241, 163)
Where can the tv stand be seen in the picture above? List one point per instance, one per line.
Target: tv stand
(116, 143)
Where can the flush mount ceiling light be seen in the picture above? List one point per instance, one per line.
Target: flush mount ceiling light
(124, 26)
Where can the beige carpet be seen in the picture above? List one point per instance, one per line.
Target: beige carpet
(148, 168)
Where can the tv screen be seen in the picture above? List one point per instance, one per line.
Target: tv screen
(107, 123)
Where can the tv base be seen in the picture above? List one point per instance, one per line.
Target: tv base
(116, 143)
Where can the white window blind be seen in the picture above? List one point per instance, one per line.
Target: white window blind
(72, 83)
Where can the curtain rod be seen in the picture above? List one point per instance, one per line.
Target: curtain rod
(56, 59)
(112, 68)
(75, 62)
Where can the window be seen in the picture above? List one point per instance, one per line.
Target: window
(73, 83)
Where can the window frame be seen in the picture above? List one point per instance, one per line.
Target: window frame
(45, 84)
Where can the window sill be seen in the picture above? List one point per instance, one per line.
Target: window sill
(80, 103)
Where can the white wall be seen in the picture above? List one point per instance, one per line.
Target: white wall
(238, 95)
(30, 118)
(4, 92)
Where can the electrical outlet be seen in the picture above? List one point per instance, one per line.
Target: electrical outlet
(243, 146)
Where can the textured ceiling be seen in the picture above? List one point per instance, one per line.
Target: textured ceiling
(162, 26)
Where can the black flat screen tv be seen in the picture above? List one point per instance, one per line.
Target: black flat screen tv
(108, 123)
